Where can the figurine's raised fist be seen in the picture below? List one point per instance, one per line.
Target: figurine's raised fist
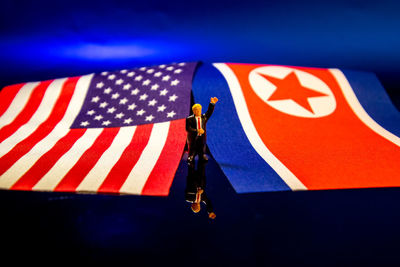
(214, 100)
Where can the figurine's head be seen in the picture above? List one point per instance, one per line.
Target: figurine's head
(195, 207)
(196, 108)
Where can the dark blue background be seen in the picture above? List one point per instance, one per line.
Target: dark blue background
(49, 39)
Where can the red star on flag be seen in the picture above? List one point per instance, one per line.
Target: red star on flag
(291, 88)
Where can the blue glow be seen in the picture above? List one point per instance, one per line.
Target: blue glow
(92, 36)
(28, 49)
(101, 52)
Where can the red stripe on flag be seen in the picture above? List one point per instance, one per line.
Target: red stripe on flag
(44, 129)
(119, 173)
(7, 95)
(47, 161)
(162, 174)
(28, 111)
(87, 161)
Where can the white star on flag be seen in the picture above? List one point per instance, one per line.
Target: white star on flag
(175, 82)
(140, 112)
(128, 121)
(127, 86)
(111, 110)
(173, 97)
(132, 106)
(149, 118)
(119, 115)
(177, 71)
(135, 92)
(98, 118)
(152, 102)
(161, 108)
(104, 104)
(163, 92)
(123, 101)
(171, 114)
(143, 97)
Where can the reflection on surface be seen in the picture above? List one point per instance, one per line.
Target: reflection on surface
(195, 188)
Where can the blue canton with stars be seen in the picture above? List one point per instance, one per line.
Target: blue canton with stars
(137, 96)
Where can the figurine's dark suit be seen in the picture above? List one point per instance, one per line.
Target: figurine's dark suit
(197, 143)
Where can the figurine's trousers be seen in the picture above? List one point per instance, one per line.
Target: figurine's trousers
(198, 147)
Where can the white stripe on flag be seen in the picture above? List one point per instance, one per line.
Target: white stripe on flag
(243, 113)
(51, 179)
(141, 171)
(99, 172)
(41, 114)
(18, 103)
(359, 110)
(61, 129)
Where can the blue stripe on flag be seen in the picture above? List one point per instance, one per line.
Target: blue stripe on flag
(373, 98)
(227, 140)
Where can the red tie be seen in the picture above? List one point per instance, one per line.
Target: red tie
(198, 197)
(198, 123)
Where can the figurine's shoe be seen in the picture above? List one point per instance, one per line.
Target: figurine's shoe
(205, 158)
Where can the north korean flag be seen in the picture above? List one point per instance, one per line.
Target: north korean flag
(295, 128)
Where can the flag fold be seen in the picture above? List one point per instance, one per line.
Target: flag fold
(294, 128)
(112, 132)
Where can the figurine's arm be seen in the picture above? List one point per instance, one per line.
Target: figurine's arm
(211, 106)
(188, 127)
(210, 110)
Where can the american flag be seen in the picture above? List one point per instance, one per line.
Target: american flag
(112, 132)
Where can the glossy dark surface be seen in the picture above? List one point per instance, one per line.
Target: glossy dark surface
(329, 228)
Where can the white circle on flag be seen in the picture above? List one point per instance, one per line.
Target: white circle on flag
(321, 106)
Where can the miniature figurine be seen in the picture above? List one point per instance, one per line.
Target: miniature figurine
(196, 131)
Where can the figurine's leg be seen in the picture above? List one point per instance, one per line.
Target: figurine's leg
(191, 152)
(190, 156)
(202, 149)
